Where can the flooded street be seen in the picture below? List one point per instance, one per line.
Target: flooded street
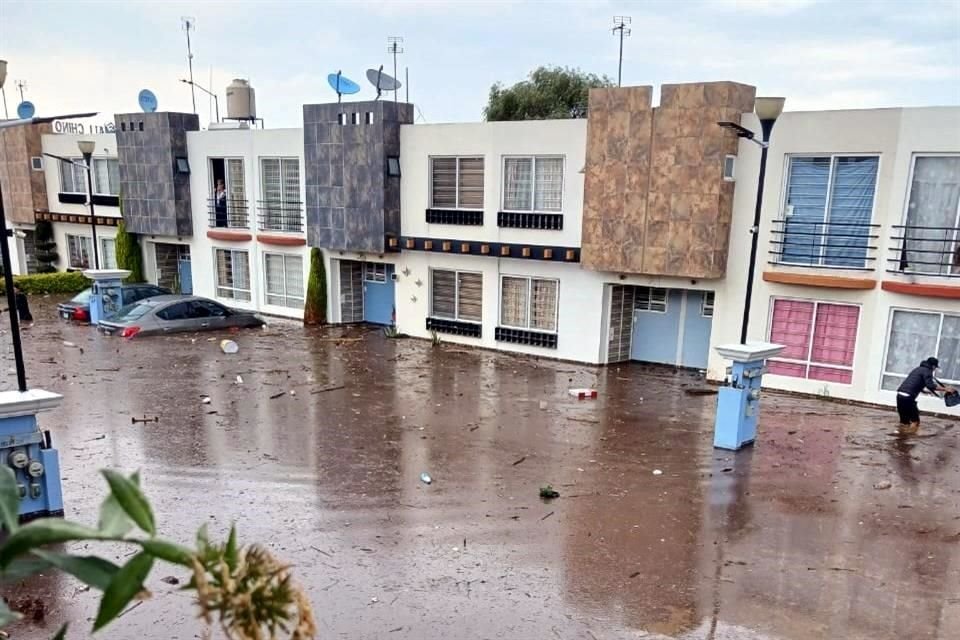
(789, 539)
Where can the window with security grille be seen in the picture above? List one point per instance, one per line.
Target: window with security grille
(820, 339)
(233, 274)
(374, 272)
(456, 183)
(706, 305)
(73, 176)
(916, 335)
(79, 252)
(108, 253)
(106, 174)
(533, 183)
(651, 299)
(283, 275)
(528, 303)
(280, 192)
(456, 295)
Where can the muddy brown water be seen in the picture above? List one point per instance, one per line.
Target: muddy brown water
(788, 539)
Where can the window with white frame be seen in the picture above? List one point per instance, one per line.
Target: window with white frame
(280, 207)
(528, 303)
(73, 176)
(233, 274)
(456, 183)
(931, 231)
(706, 304)
(283, 275)
(533, 183)
(108, 253)
(79, 252)
(374, 272)
(828, 210)
(456, 295)
(106, 176)
(820, 339)
(915, 336)
(651, 299)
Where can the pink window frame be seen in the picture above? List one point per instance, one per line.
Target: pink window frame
(844, 372)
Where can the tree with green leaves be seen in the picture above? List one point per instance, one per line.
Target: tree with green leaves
(129, 255)
(315, 308)
(246, 590)
(549, 93)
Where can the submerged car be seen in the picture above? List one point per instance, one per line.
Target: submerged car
(175, 314)
(77, 308)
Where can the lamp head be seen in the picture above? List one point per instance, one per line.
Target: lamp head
(3, 72)
(768, 108)
(86, 147)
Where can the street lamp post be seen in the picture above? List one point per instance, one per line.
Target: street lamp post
(86, 148)
(768, 110)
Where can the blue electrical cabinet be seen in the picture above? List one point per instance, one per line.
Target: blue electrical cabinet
(738, 403)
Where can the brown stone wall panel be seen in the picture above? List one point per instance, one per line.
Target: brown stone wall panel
(717, 92)
(616, 179)
(654, 260)
(742, 97)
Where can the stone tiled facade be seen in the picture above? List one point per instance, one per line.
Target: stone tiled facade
(156, 196)
(655, 201)
(24, 190)
(351, 202)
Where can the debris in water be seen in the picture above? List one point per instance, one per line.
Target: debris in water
(547, 516)
(293, 392)
(543, 405)
(278, 395)
(325, 389)
(144, 419)
(516, 462)
(239, 379)
(67, 343)
(883, 484)
(657, 472)
(170, 580)
(229, 346)
(205, 400)
(425, 478)
(548, 492)
(634, 574)
(583, 394)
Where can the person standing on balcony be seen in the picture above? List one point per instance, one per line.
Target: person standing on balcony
(220, 204)
(919, 380)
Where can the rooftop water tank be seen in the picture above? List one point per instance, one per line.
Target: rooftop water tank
(241, 101)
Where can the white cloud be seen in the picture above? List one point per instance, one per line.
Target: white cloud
(766, 7)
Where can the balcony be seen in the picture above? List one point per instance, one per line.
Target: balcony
(824, 245)
(925, 251)
(231, 215)
(281, 216)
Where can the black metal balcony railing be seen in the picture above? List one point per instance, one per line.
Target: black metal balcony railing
(285, 216)
(827, 245)
(933, 251)
(229, 214)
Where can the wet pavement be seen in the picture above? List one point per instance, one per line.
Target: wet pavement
(789, 539)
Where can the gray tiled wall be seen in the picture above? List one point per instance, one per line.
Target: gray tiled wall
(156, 198)
(351, 202)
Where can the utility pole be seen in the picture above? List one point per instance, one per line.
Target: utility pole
(395, 46)
(21, 85)
(188, 24)
(620, 24)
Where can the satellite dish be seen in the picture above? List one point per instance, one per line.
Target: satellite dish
(148, 101)
(343, 86)
(26, 110)
(382, 81)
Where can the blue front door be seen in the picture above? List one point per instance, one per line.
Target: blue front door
(696, 330)
(656, 328)
(186, 277)
(378, 293)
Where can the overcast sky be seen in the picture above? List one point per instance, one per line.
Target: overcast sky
(820, 54)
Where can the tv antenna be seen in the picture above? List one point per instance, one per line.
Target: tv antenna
(189, 24)
(21, 85)
(342, 85)
(382, 81)
(620, 24)
(395, 46)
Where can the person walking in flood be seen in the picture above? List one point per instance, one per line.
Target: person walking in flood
(919, 380)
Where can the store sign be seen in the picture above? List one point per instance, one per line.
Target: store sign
(62, 126)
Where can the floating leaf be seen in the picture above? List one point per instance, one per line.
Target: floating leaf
(128, 494)
(91, 570)
(168, 551)
(43, 532)
(126, 584)
(9, 499)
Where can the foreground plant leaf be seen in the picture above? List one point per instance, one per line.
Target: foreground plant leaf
(90, 570)
(43, 532)
(131, 499)
(9, 499)
(126, 584)
(6, 615)
(168, 551)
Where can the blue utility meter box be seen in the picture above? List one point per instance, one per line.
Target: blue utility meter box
(106, 298)
(738, 403)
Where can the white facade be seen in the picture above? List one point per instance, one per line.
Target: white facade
(896, 137)
(246, 234)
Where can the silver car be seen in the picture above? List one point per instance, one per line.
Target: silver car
(174, 314)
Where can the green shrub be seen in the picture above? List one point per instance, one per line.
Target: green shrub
(315, 308)
(129, 255)
(61, 282)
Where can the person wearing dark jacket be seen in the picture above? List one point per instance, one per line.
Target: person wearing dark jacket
(919, 380)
